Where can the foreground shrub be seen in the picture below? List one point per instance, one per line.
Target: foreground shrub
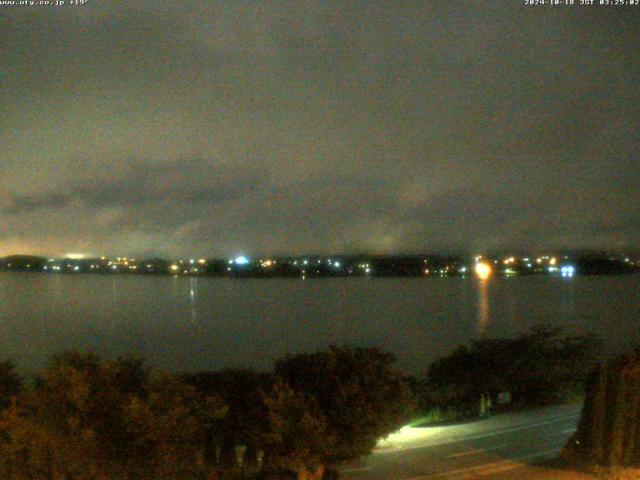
(241, 391)
(297, 436)
(354, 396)
(540, 367)
(85, 418)
(89, 419)
(10, 383)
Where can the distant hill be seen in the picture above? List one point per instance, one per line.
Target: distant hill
(22, 263)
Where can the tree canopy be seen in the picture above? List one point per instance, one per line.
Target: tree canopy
(91, 419)
(360, 394)
(537, 368)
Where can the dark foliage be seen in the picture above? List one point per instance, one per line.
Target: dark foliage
(359, 393)
(10, 383)
(538, 368)
(90, 419)
(85, 418)
(242, 391)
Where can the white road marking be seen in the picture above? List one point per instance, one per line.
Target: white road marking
(356, 469)
(468, 452)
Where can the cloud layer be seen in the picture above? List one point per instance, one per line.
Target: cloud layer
(212, 128)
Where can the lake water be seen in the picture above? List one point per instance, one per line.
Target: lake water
(187, 324)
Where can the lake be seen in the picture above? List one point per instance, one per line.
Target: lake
(189, 323)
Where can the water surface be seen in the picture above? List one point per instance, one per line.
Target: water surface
(181, 323)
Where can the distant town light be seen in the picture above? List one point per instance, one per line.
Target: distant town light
(75, 256)
(568, 271)
(483, 270)
(241, 260)
(174, 268)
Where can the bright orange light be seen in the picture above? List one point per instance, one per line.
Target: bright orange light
(483, 270)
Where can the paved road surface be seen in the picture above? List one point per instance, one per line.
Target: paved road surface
(488, 448)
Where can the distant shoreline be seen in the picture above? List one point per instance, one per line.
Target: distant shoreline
(336, 266)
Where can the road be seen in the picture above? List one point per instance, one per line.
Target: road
(501, 446)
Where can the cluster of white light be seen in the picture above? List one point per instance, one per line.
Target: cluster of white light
(567, 271)
(241, 260)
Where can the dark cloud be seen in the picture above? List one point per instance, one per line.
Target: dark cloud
(318, 126)
(21, 204)
(140, 184)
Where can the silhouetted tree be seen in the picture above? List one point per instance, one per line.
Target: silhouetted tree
(296, 436)
(89, 419)
(357, 390)
(244, 423)
(10, 383)
(538, 368)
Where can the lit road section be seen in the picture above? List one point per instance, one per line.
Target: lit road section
(406, 437)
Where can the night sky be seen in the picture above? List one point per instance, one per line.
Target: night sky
(218, 128)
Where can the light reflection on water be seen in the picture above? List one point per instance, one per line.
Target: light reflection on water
(193, 283)
(483, 307)
(181, 323)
